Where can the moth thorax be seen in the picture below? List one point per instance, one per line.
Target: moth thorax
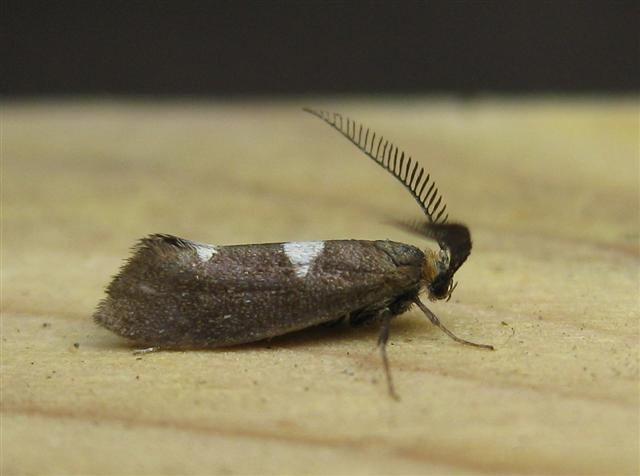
(430, 266)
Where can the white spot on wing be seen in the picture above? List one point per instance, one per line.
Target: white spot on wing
(205, 252)
(301, 254)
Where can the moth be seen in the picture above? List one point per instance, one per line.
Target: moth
(175, 293)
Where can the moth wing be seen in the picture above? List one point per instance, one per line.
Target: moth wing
(175, 292)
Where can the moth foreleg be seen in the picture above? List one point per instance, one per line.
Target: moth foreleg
(436, 322)
(386, 316)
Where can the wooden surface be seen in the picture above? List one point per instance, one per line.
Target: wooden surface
(549, 188)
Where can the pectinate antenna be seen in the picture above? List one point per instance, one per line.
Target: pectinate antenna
(406, 170)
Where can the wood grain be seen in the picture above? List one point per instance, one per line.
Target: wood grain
(549, 188)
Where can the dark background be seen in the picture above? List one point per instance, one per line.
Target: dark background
(286, 47)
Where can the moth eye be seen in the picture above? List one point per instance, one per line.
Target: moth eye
(439, 288)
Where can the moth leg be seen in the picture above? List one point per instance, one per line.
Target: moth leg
(361, 318)
(148, 350)
(434, 319)
(386, 316)
(334, 323)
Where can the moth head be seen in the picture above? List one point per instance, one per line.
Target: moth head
(439, 266)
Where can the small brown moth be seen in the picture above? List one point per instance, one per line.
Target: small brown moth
(175, 293)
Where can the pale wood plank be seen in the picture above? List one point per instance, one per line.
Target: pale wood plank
(548, 187)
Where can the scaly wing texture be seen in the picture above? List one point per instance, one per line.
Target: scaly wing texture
(174, 292)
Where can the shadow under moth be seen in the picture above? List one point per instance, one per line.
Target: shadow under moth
(174, 293)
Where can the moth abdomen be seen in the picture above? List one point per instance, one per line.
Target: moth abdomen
(174, 292)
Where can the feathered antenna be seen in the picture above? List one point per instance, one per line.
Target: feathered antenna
(408, 171)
